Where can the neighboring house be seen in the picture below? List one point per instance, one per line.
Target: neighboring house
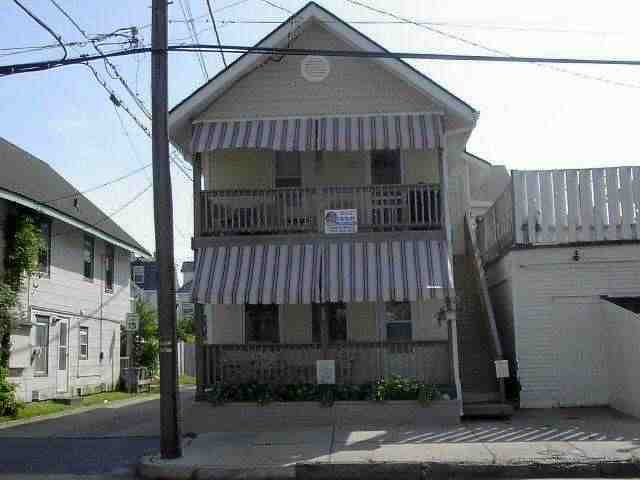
(561, 251)
(67, 340)
(144, 274)
(330, 198)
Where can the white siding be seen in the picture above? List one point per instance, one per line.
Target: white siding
(623, 341)
(65, 293)
(354, 86)
(544, 275)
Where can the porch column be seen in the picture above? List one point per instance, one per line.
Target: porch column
(324, 330)
(198, 310)
(450, 296)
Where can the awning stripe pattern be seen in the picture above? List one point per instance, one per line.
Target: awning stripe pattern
(258, 274)
(382, 271)
(326, 271)
(409, 131)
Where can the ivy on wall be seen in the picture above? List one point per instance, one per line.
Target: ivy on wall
(23, 246)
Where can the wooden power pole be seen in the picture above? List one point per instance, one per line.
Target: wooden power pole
(163, 216)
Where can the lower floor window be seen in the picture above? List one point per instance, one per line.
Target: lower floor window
(41, 344)
(337, 322)
(397, 316)
(261, 323)
(84, 344)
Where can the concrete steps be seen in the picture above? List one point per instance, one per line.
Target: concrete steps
(488, 410)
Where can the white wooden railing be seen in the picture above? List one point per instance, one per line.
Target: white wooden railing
(555, 207)
(572, 206)
(301, 209)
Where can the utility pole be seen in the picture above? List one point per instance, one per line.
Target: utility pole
(163, 215)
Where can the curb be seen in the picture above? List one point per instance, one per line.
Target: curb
(150, 468)
(438, 470)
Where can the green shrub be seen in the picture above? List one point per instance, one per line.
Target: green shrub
(8, 403)
(392, 388)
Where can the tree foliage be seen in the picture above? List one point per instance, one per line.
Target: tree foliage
(24, 243)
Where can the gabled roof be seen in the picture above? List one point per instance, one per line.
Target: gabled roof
(29, 181)
(182, 114)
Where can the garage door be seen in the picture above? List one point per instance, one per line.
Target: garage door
(580, 350)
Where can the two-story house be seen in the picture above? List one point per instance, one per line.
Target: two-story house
(67, 339)
(330, 194)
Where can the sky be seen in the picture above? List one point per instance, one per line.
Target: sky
(531, 116)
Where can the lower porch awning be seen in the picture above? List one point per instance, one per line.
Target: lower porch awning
(323, 271)
(413, 131)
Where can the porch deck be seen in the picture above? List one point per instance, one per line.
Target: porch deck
(563, 207)
(302, 209)
(356, 363)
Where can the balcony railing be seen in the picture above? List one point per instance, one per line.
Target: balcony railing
(555, 207)
(302, 209)
(356, 363)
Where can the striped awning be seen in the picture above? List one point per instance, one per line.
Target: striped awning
(382, 271)
(407, 131)
(326, 271)
(258, 274)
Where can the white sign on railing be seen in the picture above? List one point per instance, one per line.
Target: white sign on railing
(341, 221)
(326, 372)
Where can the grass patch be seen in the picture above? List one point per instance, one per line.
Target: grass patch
(48, 407)
(186, 380)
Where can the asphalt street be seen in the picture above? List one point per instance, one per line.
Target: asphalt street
(103, 441)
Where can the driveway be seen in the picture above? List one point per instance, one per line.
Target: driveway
(105, 440)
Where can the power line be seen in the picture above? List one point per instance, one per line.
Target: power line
(215, 29)
(194, 38)
(119, 77)
(498, 52)
(275, 5)
(45, 26)
(102, 185)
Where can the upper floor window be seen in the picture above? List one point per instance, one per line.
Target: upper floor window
(109, 265)
(138, 275)
(385, 167)
(44, 257)
(261, 323)
(88, 253)
(288, 169)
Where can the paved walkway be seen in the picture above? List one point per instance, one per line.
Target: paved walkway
(586, 442)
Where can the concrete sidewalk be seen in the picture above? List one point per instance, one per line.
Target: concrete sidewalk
(462, 451)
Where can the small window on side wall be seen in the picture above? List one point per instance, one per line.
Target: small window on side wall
(88, 254)
(44, 256)
(83, 354)
(109, 265)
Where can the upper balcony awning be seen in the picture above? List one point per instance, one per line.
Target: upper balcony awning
(405, 131)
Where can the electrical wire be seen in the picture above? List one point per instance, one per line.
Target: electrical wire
(492, 50)
(279, 7)
(194, 38)
(102, 185)
(215, 29)
(45, 26)
(117, 75)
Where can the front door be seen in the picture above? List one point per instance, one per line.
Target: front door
(62, 369)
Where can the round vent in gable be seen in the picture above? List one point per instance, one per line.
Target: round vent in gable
(315, 68)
